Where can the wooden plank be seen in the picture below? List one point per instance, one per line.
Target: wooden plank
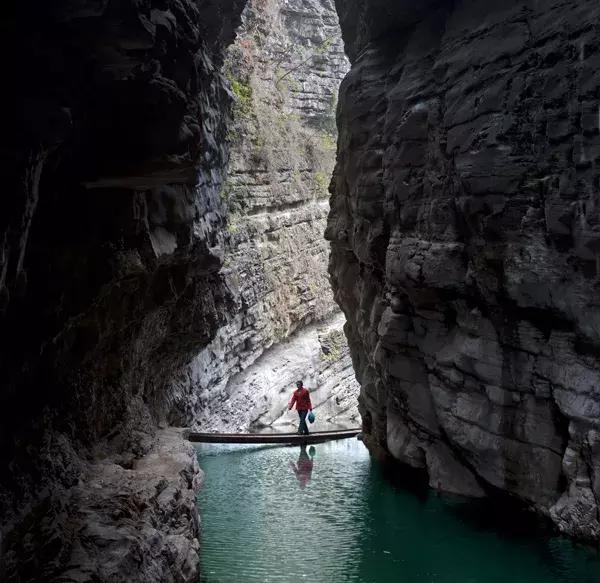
(292, 438)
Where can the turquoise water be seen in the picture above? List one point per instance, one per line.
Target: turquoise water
(330, 515)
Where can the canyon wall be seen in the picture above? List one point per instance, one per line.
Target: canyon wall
(285, 68)
(124, 252)
(465, 231)
(465, 239)
(110, 250)
(256, 398)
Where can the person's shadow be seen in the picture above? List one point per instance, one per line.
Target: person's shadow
(304, 466)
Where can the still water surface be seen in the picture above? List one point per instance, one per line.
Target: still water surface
(278, 514)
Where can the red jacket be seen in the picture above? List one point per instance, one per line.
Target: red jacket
(301, 398)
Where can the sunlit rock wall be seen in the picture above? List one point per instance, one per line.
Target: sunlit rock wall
(465, 231)
(256, 398)
(285, 69)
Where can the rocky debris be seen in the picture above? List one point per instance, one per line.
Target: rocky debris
(285, 68)
(465, 231)
(134, 522)
(256, 399)
(111, 239)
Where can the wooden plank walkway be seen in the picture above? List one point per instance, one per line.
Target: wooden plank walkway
(290, 438)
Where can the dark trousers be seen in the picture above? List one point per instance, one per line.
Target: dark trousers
(303, 429)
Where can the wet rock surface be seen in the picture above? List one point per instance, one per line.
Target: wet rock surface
(285, 68)
(465, 230)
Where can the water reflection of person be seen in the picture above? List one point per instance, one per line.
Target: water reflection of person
(304, 466)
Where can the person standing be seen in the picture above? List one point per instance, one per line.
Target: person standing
(301, 398)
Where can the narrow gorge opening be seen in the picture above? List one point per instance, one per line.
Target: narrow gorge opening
(284, 69)
(168, 239)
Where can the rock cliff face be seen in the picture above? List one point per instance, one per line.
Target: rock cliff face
(122, 255)
(256, 398)
(110, 249)
(285, 68)
(465, 230)
(465, 252)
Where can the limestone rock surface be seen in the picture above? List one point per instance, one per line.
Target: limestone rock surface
(465, 232)
(285, 68)
(256, 399)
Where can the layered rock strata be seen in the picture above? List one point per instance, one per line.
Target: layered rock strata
(256, 399)
(110, 251)
(285, 68)
(465, 230)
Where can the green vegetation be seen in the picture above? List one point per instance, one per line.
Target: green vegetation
(232, 196)
(322, 182)
(332, 346)
(243, 96)
(325, 46)
(266, 131)
(225, 193)
(233, 226)
(332, 353)
(329, 142)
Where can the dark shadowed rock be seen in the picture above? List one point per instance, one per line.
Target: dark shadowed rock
(110, 251)
(465, 230)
